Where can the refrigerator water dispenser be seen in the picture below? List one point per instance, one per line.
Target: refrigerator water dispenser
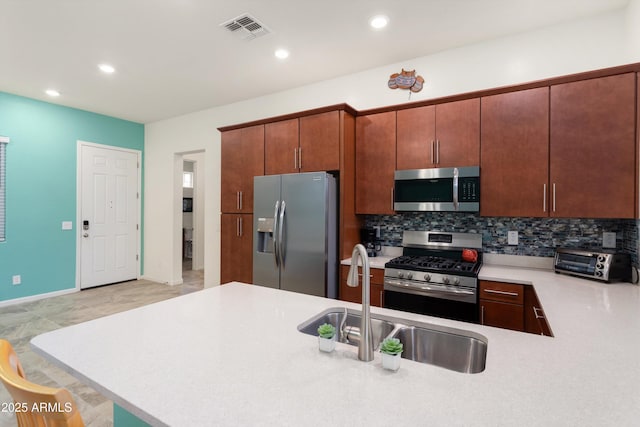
(265, 235)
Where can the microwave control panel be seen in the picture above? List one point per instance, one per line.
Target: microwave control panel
(469, 189)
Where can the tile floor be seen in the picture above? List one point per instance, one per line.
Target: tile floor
(21, 322)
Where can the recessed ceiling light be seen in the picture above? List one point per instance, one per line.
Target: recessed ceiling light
(379, 21)
(282, 54)
(52, 92)
(106, 68)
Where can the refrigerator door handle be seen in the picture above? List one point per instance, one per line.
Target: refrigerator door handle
(281, 248)
(275, 233)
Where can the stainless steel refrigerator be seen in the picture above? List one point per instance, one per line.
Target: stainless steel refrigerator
(295, 241)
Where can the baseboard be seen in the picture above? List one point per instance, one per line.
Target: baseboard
(164, 282)
(37, 297)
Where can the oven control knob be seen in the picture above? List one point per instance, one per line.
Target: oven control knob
(401, 274)
(427, 277)
(445, 279)
(600, 266)
(599, 273)
(409, 276)
(601, 258)
(456, 281)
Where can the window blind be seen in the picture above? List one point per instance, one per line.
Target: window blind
(3, 151)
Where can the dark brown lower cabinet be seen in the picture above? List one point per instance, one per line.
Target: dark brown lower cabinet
(512, 306)
(501, 305)
(236, 261)
(502, 315)
(347, 293)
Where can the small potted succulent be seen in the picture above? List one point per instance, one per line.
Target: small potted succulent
(391, 349)
(326, 337)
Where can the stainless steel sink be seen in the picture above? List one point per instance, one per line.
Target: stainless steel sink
(449, 348)
(380, 329)
(461, 353)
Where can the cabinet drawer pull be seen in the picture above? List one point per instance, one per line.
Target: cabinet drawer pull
(544, 197)
(493, 291)
(554, 196)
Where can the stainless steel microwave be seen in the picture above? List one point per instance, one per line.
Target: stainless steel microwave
(438, 189)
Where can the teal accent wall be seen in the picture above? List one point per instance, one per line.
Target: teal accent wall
(41, 189)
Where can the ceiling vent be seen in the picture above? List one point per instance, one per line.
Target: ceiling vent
(246, 27)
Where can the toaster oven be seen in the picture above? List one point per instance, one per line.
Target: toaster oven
(598, 265)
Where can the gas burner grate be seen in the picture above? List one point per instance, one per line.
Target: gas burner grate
(432, 263)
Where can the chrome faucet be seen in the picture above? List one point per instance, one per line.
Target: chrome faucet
(365, 347)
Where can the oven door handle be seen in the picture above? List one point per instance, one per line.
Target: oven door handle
(426, 288)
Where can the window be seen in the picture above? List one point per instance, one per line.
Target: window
(187, 179)
(3, 150)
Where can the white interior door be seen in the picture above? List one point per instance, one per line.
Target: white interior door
(109, 216)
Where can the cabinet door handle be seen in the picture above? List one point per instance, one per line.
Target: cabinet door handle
(295, 158)
(433, 152)
(535, 313)
(238, 227)
(554, 196)
(300, 158)
(241, 200)
(237, 200)
(482, 314)
(241, 227)
(392, 193)
(539, 319)
(437, 151)
(494, 291)
(544, 197)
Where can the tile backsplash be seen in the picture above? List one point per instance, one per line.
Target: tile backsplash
(537, 236)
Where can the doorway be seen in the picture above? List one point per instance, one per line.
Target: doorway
(108, 194)
(192, 224)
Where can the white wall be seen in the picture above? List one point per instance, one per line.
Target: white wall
(593, 43)
(633, 30)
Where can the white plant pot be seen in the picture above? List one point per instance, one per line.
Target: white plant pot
(326, 344)
(391, 361)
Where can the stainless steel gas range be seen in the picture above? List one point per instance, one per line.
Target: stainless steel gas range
(436, 275)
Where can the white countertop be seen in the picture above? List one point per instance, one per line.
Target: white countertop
(232, 356)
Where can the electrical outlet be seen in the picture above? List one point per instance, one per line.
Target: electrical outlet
(512, 238)
(608, 240)
(16, 280)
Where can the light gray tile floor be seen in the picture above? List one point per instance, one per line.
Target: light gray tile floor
(21, 322)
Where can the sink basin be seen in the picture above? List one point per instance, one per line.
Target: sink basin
(450, 348)
(380, 329)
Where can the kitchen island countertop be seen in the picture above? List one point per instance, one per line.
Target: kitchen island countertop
(232, 355)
